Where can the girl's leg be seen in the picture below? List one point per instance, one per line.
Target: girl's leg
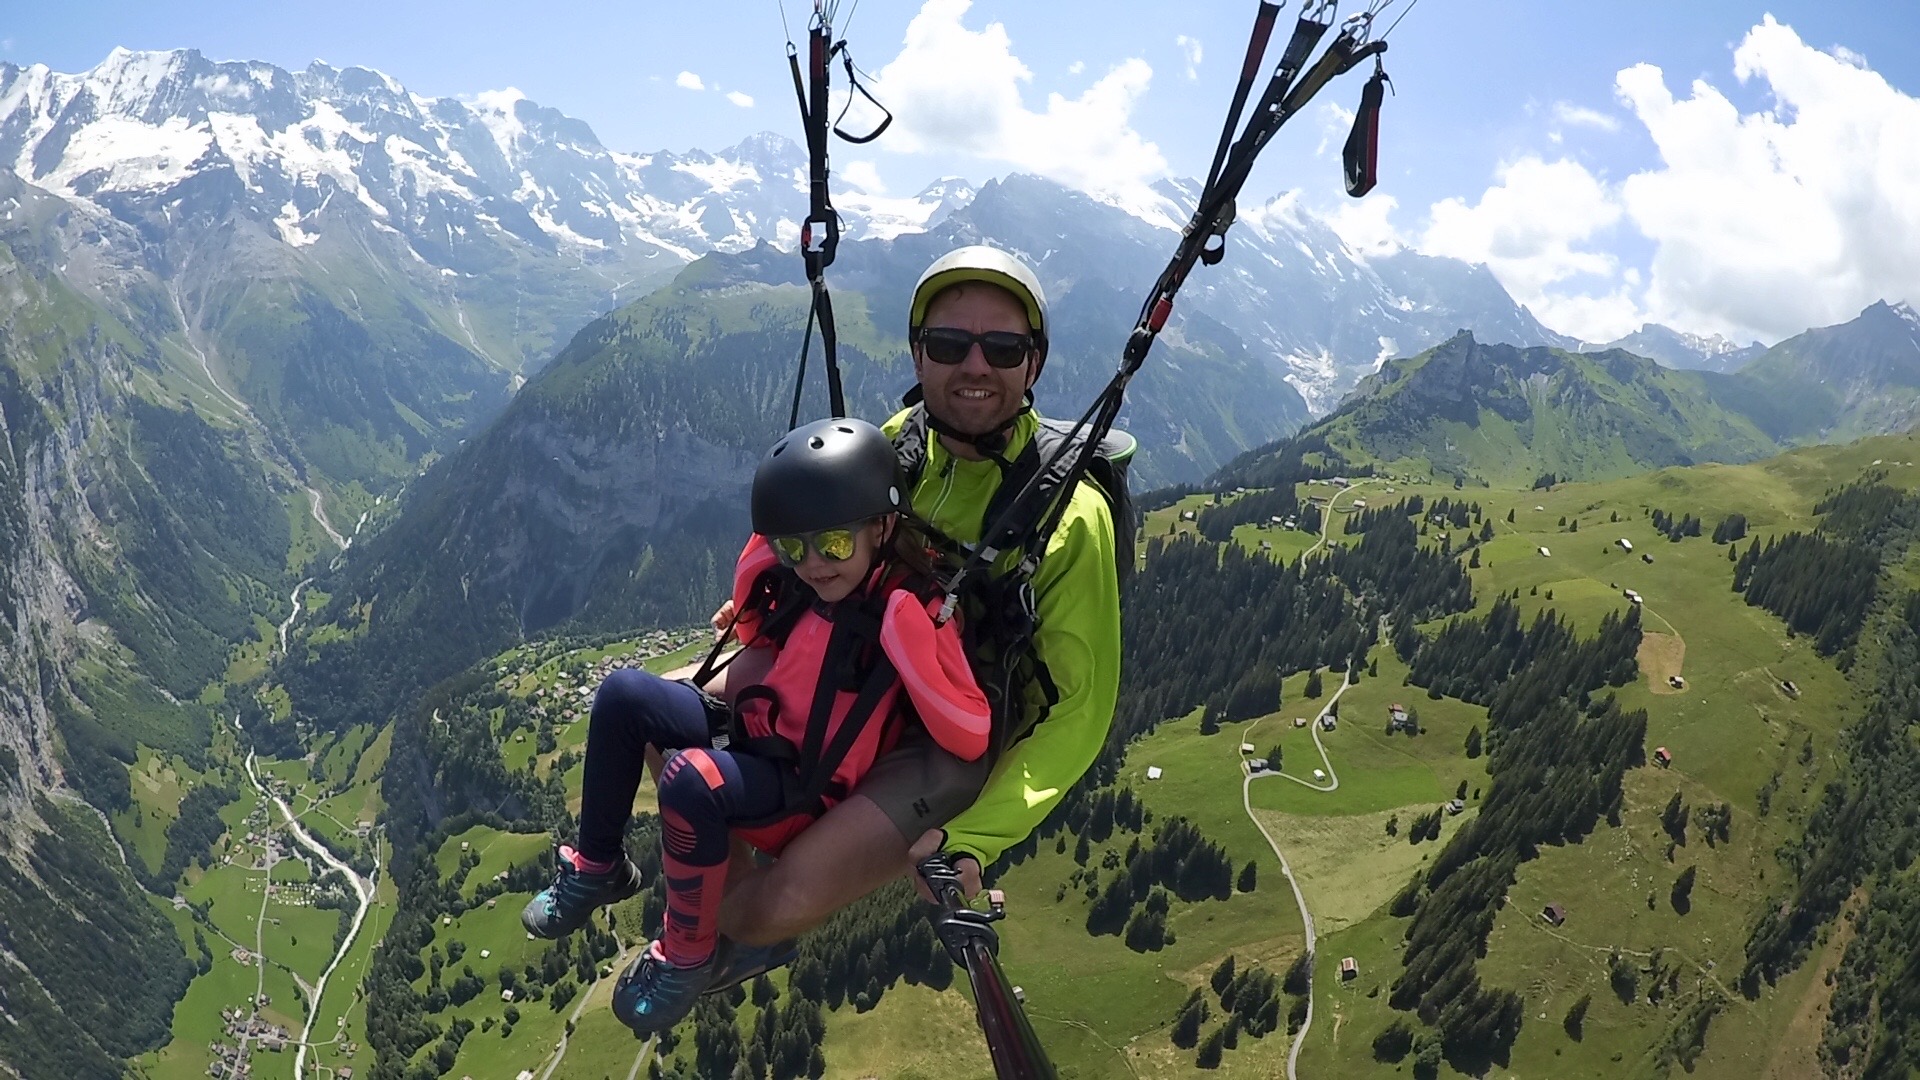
(701, 793)
(631, 710)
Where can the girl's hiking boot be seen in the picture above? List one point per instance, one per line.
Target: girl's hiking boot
(653, 995)
(564, 906)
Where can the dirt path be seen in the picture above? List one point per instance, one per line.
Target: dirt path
(1326, 516)
(1299, 898)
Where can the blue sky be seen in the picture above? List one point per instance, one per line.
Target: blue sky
(1510, 139)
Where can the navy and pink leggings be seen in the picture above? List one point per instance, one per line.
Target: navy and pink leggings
(702, 793)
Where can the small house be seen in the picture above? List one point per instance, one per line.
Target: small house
(484, 953)
(506, 995)
(1554, 914)
(1328, 721)
(1545, 554)
(1246, 748)
(1349, 969)
(1274, 520)
(1186, 515)
(1539, 508)
(1792, 690)
(1676, 682)
(1626, 545)
(1319, 774)
(1266, 545)
(1457, 806)
(1662, 757)
(1398, 719)
(1646, 557)
(1632, 597)
(1299, 721)
(1153, 772)
(1359, 504)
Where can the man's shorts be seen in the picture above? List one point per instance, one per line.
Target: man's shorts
(920, 786)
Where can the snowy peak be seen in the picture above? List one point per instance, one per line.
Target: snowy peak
(1679, 349)
(441, 172)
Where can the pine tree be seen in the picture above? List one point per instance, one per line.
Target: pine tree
(1314, 688)
(1211, 1049)
(1247, 877)
(1575, 1023)
(1186, 1023)
(1223, 975)
(1683, 891)
(1473, 742)
(1509, 517)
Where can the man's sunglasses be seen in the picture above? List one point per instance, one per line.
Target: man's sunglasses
(834, 545)
(950, 345)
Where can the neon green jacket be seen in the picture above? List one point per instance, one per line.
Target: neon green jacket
(1079, 639)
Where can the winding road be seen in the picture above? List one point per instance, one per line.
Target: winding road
(1333, 784)
(1306, 917)
(362, 888)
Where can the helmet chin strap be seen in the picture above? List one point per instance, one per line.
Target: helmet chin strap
(992, 444)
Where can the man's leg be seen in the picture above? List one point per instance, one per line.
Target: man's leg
(856, 847)
(852, 850)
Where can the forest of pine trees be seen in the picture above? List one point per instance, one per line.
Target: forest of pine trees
(1823, 583)
(1556, 758)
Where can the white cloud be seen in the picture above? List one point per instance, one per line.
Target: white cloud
(1363, 224)
(1798, 215)
(1076, 67)
(863, 175)
(1535, 230)
(745, 101)
(1571, 115)
(687, 80)
(1761, 224)
(1190, 50)
(1087, 142)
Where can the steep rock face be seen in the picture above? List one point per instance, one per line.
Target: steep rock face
(77, 919)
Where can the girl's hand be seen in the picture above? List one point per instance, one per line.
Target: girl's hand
(722, 621)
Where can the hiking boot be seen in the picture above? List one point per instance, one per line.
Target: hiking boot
(746, 961)
(653, 995)
(565, 906)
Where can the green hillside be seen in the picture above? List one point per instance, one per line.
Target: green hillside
(1503, 416)
(1665, 974)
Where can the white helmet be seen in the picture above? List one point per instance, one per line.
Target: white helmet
(993, 266)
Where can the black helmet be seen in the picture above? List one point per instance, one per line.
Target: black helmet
(827, 473)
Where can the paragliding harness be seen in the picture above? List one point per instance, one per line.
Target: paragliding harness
(820, 233)
(854, 663)
(999, 610)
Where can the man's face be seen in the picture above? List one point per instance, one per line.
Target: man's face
(973, 396)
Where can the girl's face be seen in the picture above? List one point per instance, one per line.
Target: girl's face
(834, 581)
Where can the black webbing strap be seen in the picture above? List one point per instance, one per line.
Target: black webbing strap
(1361, 155)
(820, 233)
(1203, 239)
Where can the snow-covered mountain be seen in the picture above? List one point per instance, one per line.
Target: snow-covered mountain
(499, 187)
(1679, 349)
(443, 172)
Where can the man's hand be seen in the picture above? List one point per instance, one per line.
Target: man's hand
(722, 620)
(929, 845)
